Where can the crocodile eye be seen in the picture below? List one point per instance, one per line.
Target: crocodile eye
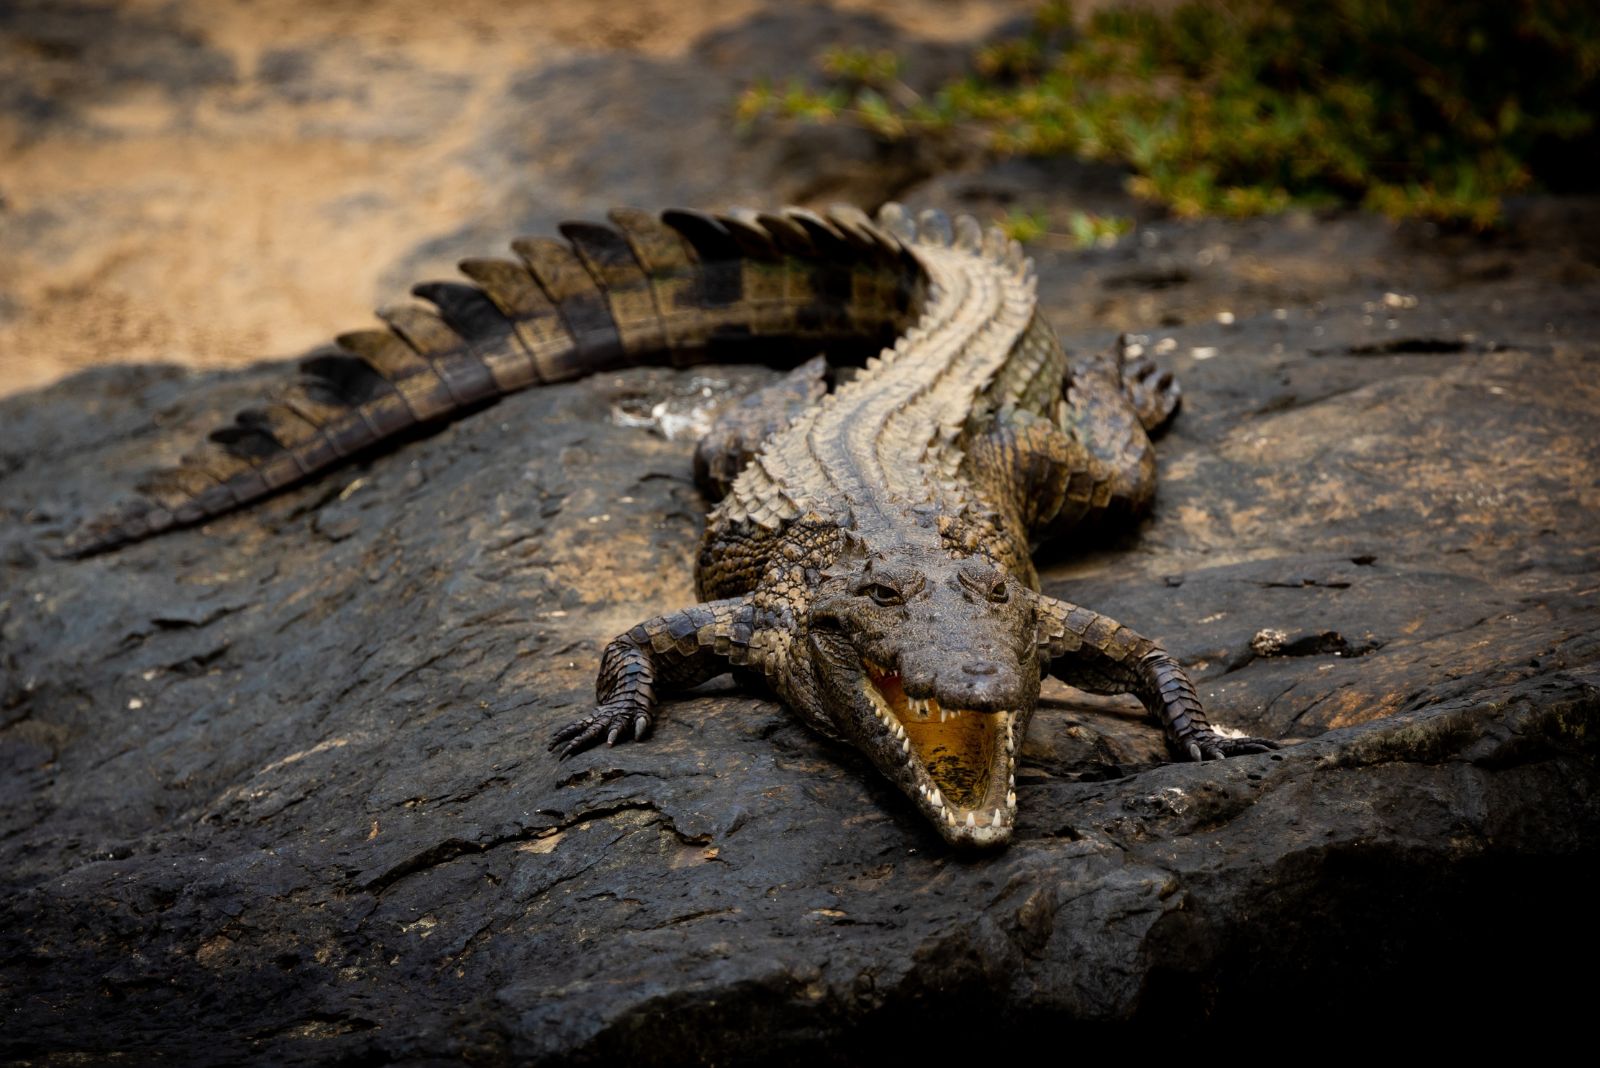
(987, 582)
(884, 595)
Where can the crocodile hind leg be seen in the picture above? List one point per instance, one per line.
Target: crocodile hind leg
(1113, 401)
(739, 432)
(670, 652)
(1102, 418)
(1150, 388)
(1050, 481)
(1085, 649)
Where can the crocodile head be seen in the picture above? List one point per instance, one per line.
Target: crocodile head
(927, 662)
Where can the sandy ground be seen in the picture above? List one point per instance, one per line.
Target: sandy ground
(212, 182)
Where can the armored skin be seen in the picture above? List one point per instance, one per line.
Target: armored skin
(869, 557)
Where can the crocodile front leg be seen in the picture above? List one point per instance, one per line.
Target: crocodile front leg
(672, 652)
(1085, 649)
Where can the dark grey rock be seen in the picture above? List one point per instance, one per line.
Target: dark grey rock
(276, 789)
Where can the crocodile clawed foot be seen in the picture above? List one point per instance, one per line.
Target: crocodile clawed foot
(613, 722)
(1153, 391)
(1209, 745)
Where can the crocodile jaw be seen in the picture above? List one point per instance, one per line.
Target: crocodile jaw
(959, 766)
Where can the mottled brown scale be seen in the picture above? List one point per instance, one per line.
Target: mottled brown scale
(533, 318)
(672, 268)
(385, 352)
(869, 554)
(575, 293)
(623, 284)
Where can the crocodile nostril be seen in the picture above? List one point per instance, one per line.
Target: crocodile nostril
(980, 667)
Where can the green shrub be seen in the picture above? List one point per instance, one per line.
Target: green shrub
(1410, 107)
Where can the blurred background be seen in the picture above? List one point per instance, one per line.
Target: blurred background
(213, 182)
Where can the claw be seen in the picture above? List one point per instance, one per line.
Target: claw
(606, 722)
(578, 736)
(1151, 388)
(1211, 746)
(1238, 746)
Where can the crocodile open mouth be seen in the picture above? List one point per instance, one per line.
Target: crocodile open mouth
(963, 761)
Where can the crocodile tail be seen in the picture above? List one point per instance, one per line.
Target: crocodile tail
(678, 289)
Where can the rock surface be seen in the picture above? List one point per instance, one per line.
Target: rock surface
(276, 790)
(284, 777)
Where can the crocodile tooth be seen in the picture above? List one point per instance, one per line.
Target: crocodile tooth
(878, 704)
(996, 821)
(950, 817)
(972, 821)
(936, 798)
(941, 715)
(1011, 781)
(1011, 801)
(905, 744)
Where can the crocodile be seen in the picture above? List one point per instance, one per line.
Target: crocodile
(869, 555)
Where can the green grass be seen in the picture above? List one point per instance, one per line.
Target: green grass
(1084, 229)
(1415, 108)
